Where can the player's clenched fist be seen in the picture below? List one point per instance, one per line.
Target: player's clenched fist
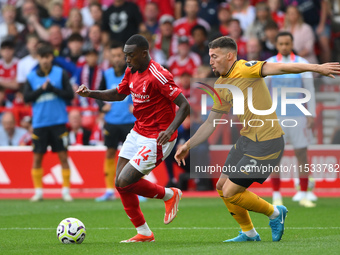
(83, 91)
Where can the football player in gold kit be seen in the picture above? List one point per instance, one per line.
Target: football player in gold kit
(261, 142)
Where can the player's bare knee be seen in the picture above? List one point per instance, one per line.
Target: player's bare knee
(219, 185)
(121, 182)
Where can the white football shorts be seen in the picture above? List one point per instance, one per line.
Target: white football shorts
(299, 136)
(143, 152)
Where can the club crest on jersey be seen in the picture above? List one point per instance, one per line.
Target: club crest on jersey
(250, 63)
(131, 85)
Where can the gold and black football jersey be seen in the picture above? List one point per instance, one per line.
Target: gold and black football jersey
(246, 75)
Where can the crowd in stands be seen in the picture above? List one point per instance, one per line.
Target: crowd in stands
(81, 32)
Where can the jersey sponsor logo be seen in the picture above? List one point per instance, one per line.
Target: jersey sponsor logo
(139, 98)
(46, 97)
(251, 63)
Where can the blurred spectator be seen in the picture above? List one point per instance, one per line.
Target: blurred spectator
(4, 102)
(235, 32)
(303, 34)
(55, 10)
(224, 15)
(277, 15)
(26, 123)
(92, 13)
(96, 12)
(29, 16)
(151, 13)
(184, 83)
(121, 20)
(202, 72)
(208, 11)
(335, 27)
(74, 24)
(184, 60)
(10, 134)
(97, 134)
(8, 69)
(56, 40)
(94, 41)
(254, 50)
(315, 14)
(8, 13)
(48, 87)
(28, 8)
(105, 64)
(200, 46)
(68, 5)
(262, 18)
(268, 46)
(75, 49)
(156, 54)
(165, 7)
(183, 26)
(244, 12)
(90, 75)
(77, 135)
(165, 40)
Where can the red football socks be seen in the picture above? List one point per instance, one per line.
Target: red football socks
(131, 206)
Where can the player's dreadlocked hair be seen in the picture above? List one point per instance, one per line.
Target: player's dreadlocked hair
(138, 40)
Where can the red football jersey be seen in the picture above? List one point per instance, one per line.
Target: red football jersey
(178, 66)
(9, 71)
(182, 27)
(153, 92)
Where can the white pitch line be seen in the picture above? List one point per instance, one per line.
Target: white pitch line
(185, 228)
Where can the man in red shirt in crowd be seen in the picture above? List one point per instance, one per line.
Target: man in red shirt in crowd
(8, 69)
(184, 25)
(155, 96)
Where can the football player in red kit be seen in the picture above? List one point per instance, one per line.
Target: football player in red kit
(155, 96)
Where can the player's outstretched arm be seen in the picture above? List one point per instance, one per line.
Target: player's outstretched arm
(327, 69)
(104, 95)
(202, 134)
(182, 113)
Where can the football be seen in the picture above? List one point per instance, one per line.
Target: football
(71, 230)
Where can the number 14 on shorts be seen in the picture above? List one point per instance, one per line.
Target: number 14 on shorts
(143, 153)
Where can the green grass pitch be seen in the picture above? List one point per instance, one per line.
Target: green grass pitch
(200, 227)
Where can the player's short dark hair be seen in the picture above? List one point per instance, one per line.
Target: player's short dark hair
(116, 44)
(223, 42)
(138, 40)
(284, 33)
(199, 27)
(45, 49)
(75, 37)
